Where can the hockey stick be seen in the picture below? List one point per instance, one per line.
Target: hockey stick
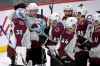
(8, 38)
(51, 7)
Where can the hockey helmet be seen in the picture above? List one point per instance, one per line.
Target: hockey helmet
(90, 17)
(82, 9)
(68, 7)
(55, 17)
(32, 6)
(97, 17)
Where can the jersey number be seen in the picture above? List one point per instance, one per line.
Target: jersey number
(19, 32)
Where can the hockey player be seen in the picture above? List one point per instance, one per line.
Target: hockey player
(83, 33)
(90, 27)
(68, 12)
(54, 22)
(95, 47)
(67, 45)
(82, 10)
(53, 43)
(82, 26)
(37, 25)
(7, 43)
(21, 33)
(83, 44)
